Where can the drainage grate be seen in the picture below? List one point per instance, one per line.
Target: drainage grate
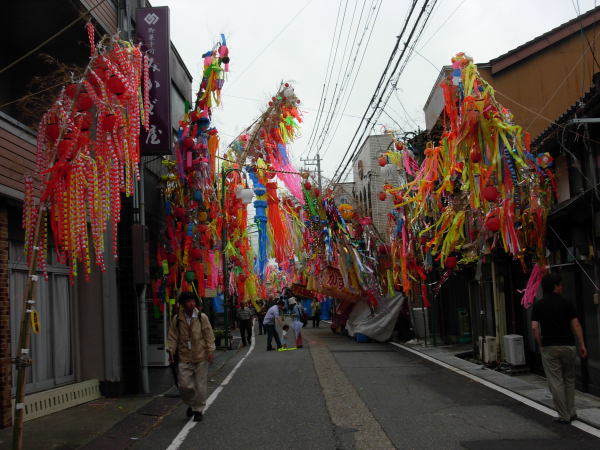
(54, 400)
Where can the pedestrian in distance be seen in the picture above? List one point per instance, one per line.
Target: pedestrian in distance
(273, 318)
(191, 341)
(554, 322)
(316, 313)
(261, 316)
(297, 324)
(245, 315)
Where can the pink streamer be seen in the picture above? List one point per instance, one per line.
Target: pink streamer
(533, 285)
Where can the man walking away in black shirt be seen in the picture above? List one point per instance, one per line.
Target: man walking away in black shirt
(554, 322)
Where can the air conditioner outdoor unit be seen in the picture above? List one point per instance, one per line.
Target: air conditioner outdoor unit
(514, 349)
(489, 350)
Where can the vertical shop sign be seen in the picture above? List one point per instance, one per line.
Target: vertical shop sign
(152, 29)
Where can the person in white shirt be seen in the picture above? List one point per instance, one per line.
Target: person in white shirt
(271, 319)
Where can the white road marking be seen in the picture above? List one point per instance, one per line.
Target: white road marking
(182, 435)
(526, 401)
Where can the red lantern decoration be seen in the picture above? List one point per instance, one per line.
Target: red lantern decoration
(475, 156)
(196, 253)
(398, 146)
(84, 101)
(189, 142)
(52, 131)
(85, 120)
(65, 147)
(451, 262)
(490, 193)
(116, 86)
(108, 122)
(180, 213)
(83, 139)
(316, 192)
(383, 161)
(492, 223)
(307, 185)
(382, 196)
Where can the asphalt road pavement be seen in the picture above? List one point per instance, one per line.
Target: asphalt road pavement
(337, 394)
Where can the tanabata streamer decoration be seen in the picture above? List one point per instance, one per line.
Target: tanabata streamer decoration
(189, 256)
(88, 155)
(481, 188)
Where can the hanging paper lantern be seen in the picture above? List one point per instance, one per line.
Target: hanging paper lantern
(475, 156)
(85, 121)
(180, 213)
(382, 196)
(190, 276)
(84, 101)
(451, 262)
(108, 122)
(116, 86)
(316, 192)
(492, 223)
(188, 142)
(399, 146)
(202, 216)
(490, 193)
(346, 211)
(196, 253)
(52, 131)
(307, 185)
(383, 161)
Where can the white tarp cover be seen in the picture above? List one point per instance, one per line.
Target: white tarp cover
(378, 326)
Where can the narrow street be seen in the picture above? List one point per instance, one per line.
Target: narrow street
(337, 394)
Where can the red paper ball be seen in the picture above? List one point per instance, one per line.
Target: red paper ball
(71, 89)
(451, 262)
(188, 142)
(180, 213)
(171, 258)
(108, 122)
(85, 120)
(475, 156)
(383, 161)
(83, 139)
(84, 101)
(307, 185)
(316, 192)
(52, 131)
(116, 86)
(492, 223)
(490, 193)
(398, 146)
(382, 196)
(196, 253)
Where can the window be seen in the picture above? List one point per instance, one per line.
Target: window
(52, 348)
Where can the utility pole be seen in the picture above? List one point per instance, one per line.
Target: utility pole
(314, 162)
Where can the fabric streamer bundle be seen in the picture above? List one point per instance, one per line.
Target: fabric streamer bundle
(83, 173)
(479, 190)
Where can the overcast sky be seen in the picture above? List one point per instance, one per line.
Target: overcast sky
(260, 58)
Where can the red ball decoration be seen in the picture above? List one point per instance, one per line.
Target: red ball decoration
(490, 193)
(52, 131)
(307, 185)
(475, 156)
(196, 253)
(84, 101)
(492, 223)
(83, 139)
(116, 86)
(383, 161)
(316, 192)
(398, 146)
(180, 213)
(189, 142)
(71, 89)
(85, 120)
(451, 262)
(382, 196)
(108, 122)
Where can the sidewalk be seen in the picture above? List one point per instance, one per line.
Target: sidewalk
(114, 423)
(530, 386)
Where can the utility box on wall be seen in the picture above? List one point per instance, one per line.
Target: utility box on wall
(140, 254)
